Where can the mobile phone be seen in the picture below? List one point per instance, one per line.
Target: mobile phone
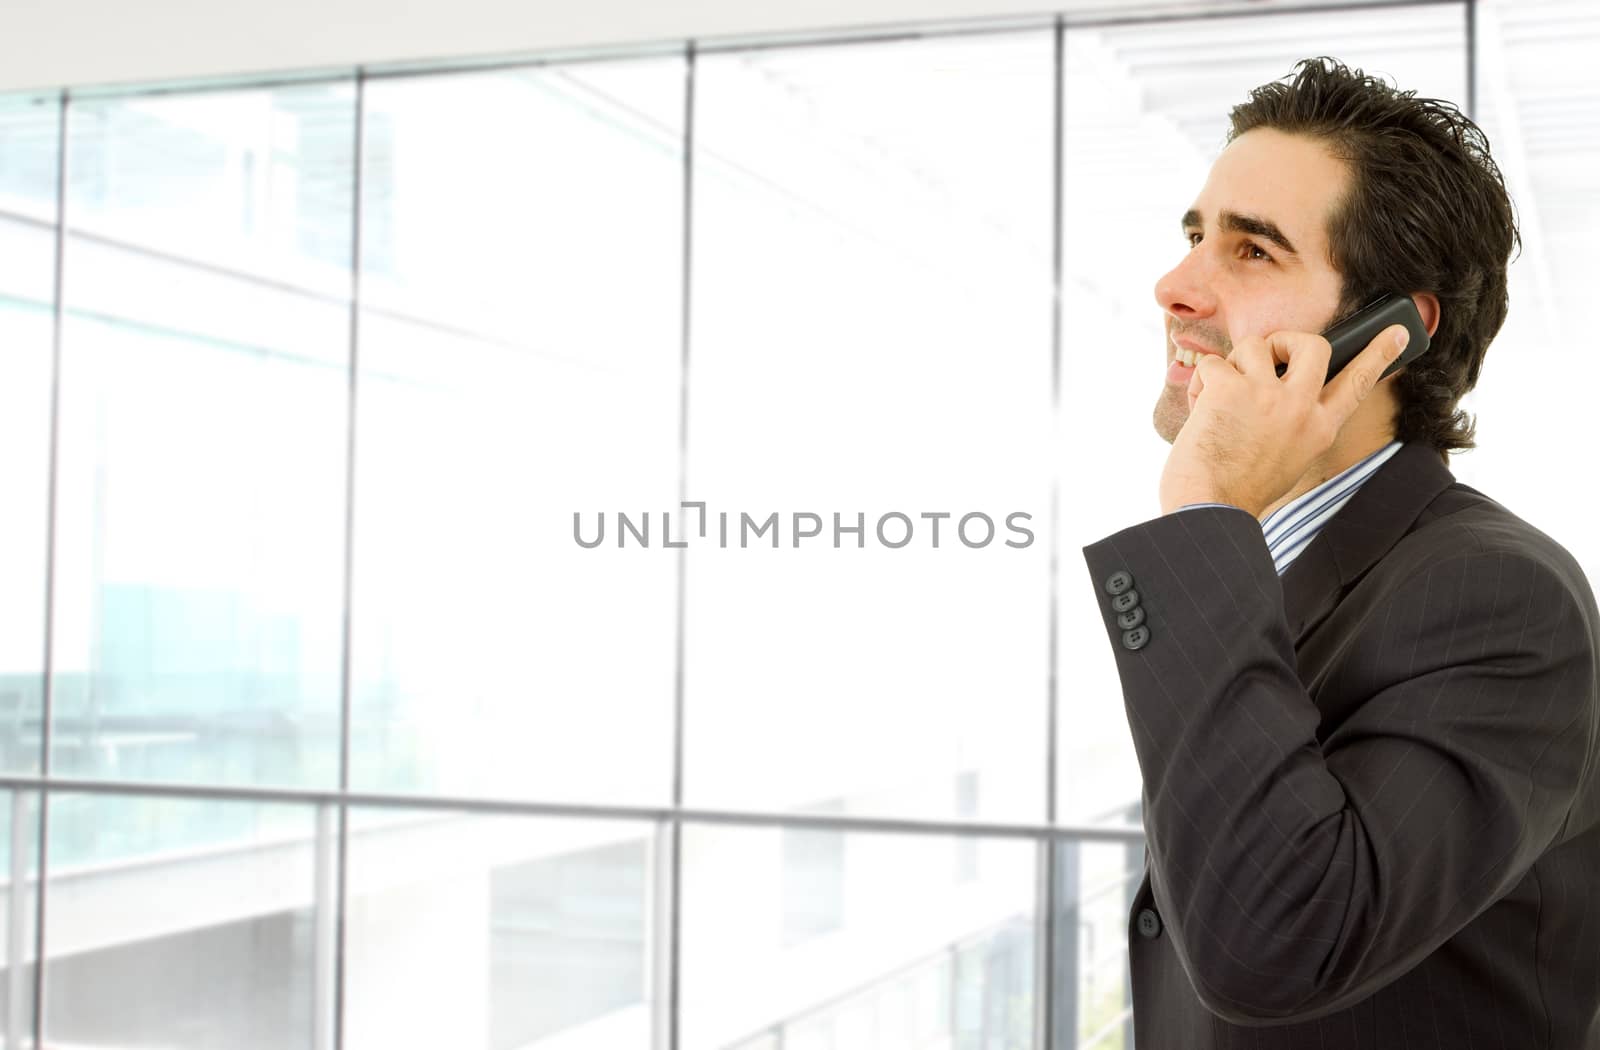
(1350, 336)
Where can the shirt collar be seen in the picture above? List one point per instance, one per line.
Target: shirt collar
(1291, 528)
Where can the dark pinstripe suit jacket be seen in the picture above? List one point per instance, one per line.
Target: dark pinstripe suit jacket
(1371, 804)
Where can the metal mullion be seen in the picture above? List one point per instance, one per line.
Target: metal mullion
(630, 814)
(894, 33)
(47, 699)
(342, 844)
(1121, 21)
(1045, 919)
(324, 938)
(211, 85)
(525, 62)
(1044, 944)
(346, 672)
(672, 955)
(1470, 13)
(658, 927)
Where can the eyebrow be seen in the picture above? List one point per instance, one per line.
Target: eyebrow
(1234, 222)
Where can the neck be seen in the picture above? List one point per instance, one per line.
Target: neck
(1345, 453)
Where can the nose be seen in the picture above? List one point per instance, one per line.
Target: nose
(1185, 291)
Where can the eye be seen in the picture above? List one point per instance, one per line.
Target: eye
(1193, 237)
(1253, 251)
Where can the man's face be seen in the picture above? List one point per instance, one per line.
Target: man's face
(1258, 258)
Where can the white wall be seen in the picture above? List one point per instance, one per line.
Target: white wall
(59, 43)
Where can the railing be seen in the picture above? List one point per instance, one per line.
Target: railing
(1009, 942)
(1008, 947)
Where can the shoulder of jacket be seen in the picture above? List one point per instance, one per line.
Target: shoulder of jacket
(1463, 523)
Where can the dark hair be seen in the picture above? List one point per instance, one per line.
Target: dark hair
(1427, 211)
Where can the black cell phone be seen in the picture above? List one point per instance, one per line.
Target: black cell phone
(1350, 336)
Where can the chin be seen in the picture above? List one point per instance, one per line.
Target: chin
(1171, 413)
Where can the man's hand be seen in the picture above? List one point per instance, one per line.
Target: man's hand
(1252, 434)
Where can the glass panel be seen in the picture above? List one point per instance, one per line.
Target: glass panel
(915, 961)
(1146, 110)
(813, 880)
(1540, 107)
(19, 875)
(544, 925)
(520, 364)
(872, 310)
(201, 500)
(1096, 884)
(30, 145)
(154, 940)
(29, 152)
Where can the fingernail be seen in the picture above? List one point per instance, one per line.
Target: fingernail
(1401, 338)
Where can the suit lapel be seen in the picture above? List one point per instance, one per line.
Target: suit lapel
(1364, 530)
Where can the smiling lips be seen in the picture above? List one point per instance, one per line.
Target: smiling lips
(1182, 367)
(1188, 352)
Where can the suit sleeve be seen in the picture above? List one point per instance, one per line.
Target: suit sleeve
(1297, 877)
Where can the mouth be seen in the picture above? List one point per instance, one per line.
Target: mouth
(1187, 351)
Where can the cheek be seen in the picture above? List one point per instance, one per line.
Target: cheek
(1277, 312)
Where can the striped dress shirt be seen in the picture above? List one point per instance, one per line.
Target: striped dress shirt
(1291, 528)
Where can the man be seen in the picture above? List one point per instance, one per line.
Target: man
(1362, 695)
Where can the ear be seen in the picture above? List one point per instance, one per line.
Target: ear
(1428, 307)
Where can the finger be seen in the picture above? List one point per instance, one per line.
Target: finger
(1196, 383)
(1252, 355)
(1306, 354)
(1209, 369)
(1352, 385)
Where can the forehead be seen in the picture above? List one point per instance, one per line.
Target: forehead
(1290, 180)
